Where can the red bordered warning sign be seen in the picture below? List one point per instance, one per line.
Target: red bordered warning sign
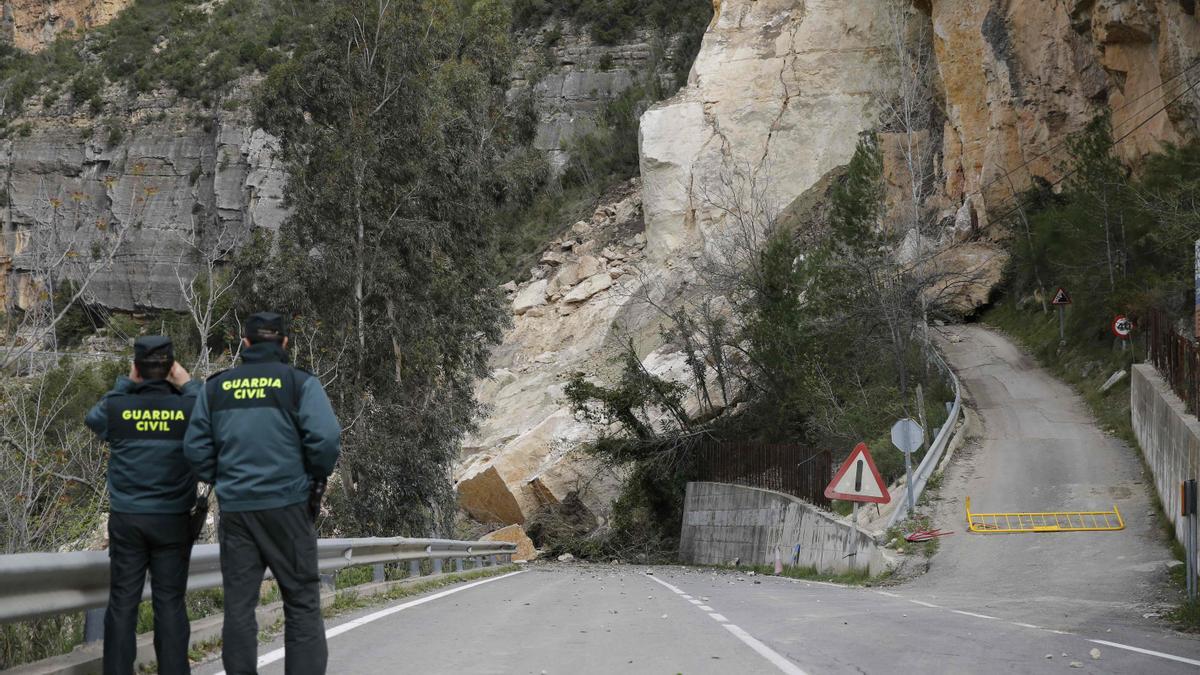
(1061, 297)
(1122, 326)
(858, 480)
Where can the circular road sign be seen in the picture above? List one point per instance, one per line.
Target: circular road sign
(1122, 326)
(907, 436)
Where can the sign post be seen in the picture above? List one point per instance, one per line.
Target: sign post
(1061, 300)
(857, 480)
(907, 436)
(1187, 509)
(1122, 327)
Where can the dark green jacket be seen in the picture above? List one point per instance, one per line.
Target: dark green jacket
(144, 424)
(262, 432)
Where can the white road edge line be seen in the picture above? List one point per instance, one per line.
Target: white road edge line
(890, 595)
(778, 660)
(1148, 652)
(925, 604)
(273, 656)
(766, 652)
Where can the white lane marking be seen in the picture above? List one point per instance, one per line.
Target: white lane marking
(1026, 625)
(685, 596)
(705, 608)
(780, 662)
(693, 601)
(271, 657)
(977, 616)
(890, 595)
(925, 604)
(766, 652)
(674, 588)
(1148, 652)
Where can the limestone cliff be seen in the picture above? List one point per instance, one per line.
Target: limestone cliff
(1019, 75)
(151, 169)
(778, 97)
(33, 24)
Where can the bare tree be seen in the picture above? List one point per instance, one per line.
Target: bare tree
(206, 292)
(69, 242)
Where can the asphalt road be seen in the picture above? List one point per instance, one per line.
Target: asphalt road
(619, 619)
(1041, 450)
(1027, 603)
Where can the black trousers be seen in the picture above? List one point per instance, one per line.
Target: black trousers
(284, 540)
(162, 544)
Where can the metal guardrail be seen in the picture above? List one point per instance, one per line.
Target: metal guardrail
(925, 469)
(35, 585)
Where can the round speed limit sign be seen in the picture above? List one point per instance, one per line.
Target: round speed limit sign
(1122, 326)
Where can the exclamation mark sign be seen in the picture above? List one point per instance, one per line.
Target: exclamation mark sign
(858, 467)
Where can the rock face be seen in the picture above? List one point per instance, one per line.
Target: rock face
(570, 78)
(33, 24)
(515, 534)
(1018, 76)
(157, 180)
(778, 95)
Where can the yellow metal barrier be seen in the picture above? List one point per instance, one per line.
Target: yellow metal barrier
(1066, 521)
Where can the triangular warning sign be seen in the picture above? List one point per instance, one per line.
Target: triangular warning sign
(858, 480)
(1061, 297)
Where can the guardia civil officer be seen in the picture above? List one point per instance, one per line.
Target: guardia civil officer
(151, 490)
(265, 434)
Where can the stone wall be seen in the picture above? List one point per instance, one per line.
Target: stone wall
(722, 522)
(1168, 435)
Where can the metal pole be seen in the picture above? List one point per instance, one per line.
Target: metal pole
(909, 487)
(414, 568)
(378, 575)
(93, 625)
(437, 565)
(1062, 334)
(458, 564)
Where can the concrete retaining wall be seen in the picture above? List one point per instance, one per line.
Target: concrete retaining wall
(1168, 435)
(722, 522)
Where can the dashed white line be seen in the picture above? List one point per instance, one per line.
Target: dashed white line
(925, 604)
(766, 652)
(890, 595)
(977, 616)
(1026, 625)
(1148, 652)
(778, 660)
(273, 656)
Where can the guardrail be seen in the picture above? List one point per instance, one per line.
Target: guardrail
(1177, 359)
(35, 585)
(925, 469)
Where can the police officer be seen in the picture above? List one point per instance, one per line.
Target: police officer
(151, 489)
(265, 434)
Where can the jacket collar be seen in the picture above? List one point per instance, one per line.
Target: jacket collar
(264, 352)
(155, 387)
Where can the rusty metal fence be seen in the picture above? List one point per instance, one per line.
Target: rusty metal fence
(1177, 358)
(783, 467)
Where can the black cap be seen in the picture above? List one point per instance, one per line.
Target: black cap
(153, 348)
(265, 326)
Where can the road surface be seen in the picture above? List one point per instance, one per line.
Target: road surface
(619, 619)
(1029, 603)
(1040, 450)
